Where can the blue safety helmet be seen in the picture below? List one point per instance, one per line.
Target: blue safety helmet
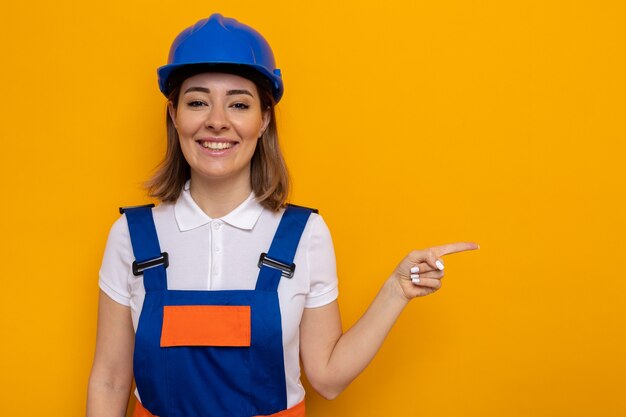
(217, 41)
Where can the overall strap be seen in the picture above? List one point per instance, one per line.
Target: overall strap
(149, 260)
(279, 259)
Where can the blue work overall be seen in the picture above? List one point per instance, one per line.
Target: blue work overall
(211, 353)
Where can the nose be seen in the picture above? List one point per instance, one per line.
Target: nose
(216, 119)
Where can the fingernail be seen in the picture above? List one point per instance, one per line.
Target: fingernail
(415, 280)
(415, 269)
(414, 276)
(439, 265)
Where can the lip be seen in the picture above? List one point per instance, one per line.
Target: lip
(216, 152)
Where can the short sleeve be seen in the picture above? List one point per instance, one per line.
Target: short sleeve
(322, 266)
(116, 268)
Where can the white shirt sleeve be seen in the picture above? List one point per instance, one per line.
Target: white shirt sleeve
(322, 265)
(116, 267)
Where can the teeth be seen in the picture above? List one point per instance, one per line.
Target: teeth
(217, 146)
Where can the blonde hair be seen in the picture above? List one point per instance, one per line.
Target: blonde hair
(269, 177)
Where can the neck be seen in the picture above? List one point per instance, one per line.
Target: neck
(217, 198)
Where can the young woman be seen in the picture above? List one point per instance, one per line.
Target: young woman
(215, 295)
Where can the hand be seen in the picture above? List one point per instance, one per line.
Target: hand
(420, 273)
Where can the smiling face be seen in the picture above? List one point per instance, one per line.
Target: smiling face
(219, 120)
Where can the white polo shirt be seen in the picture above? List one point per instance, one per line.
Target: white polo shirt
(222, 254)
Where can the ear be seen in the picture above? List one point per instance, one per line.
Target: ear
(267, 116)
(172, 112)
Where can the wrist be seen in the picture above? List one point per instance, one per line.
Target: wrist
(395, 292)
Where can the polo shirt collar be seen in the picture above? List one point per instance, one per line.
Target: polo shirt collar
(190, 216)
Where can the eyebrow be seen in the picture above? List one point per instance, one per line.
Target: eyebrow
(236, 92)
(228, 93)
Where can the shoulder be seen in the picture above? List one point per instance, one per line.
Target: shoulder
(317, 227)
(119, 231)
(119, 234)
(318, 234)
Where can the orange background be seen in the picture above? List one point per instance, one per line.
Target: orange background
(408, 124)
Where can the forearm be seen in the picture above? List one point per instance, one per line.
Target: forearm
(111, 376)
(356, 348)
(107, 398)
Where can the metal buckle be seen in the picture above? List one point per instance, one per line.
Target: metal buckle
(286, 269)
(123, 209)
(314, 210)
(139, 267)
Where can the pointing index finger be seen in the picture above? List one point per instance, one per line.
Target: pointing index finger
(454, 248)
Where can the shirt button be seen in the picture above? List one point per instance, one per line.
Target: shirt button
(216, 226)
(218, 249)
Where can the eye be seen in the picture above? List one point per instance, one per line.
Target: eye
(240, 106)
(195, 103)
